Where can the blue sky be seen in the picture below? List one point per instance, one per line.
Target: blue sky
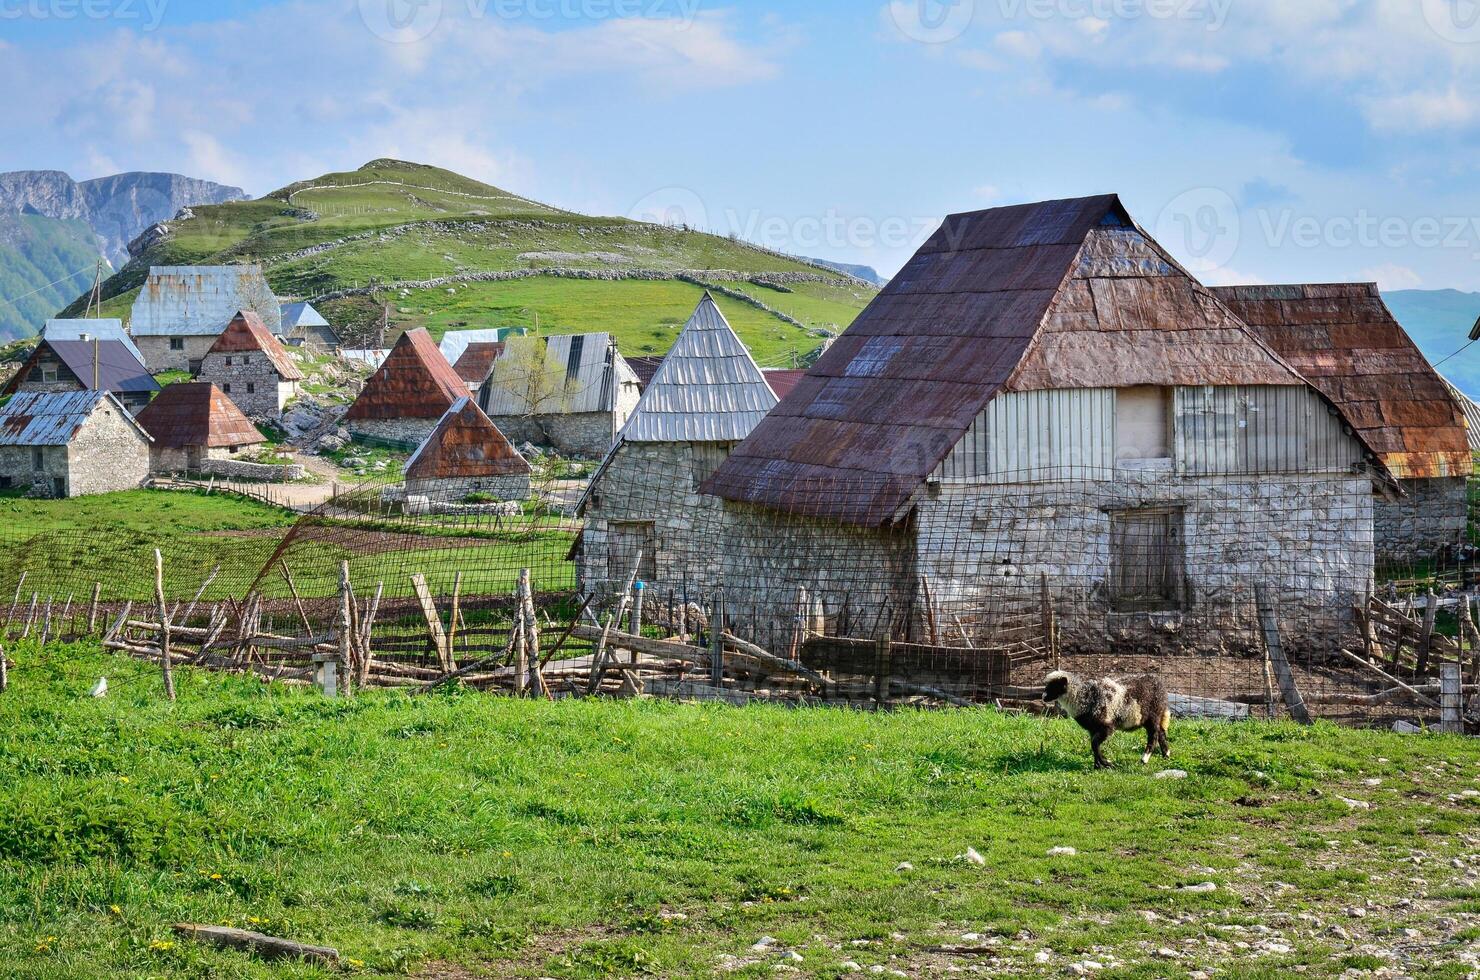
(1260, 140)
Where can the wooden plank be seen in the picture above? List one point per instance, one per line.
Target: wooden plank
(1388, 677)
(268, 947)
(434, 621)
(164, 626)
(1269, 625)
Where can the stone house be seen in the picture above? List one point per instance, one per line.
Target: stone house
(1344, 340)
(1044, 399)
(571, 392)
(192, 424)
(249, 364)
(89, 328)
(300, 323)
(67, 444)
(466, 454)
(181, 310)
(407, 395)
(703, 398)
(83, 365)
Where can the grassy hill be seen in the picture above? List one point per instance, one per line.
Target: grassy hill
(446, 252)
(44, 262)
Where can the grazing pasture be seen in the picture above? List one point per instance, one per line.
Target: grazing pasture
(463, 835)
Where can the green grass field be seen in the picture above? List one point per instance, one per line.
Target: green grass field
(468, 835)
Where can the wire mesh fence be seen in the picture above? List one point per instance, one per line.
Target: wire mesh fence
(1250, 595)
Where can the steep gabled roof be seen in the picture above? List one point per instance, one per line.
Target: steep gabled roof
(39, 418)
(197, 414)
(454, 342)
(111, 361)
(465, 444)
(102, 329)
(413, 382)
(476, 360)
(1346, 342)
(708, 388)
(299, 315)
(247, 334)
(199, 300)
(1064, 294)
(565, 374)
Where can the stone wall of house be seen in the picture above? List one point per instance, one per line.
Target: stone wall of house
(250, 380)
(108, 453)
(452, 491)
(19, 469)
(1433, 515)
(159, 357)
(412, 432)
(1307, 538)
(579, 434)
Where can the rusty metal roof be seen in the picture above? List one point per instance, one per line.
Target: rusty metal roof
(40, 418)
(199, 300)
(110, 361)
(465, 444)
(644, 366)
(1346, 342)
(197, 414)
(413, 382)
(1063, 294)
(476, 360)
(783, 380)
(246, 334)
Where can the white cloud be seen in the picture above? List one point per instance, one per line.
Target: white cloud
(1425, 110)
(1391, 277)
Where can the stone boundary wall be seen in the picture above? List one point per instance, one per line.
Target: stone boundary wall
(241, 469)
(580, 433)
(1433, 516)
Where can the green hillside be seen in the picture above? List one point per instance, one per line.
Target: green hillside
(446, 252)
(44, 262)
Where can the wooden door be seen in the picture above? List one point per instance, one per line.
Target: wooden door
(1146, 559)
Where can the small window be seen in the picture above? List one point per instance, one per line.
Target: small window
(6, 483)
(232, 450)
(226, 387)
(246, 359)
(38, 460)
(228, 360)
(1148, 560)
(177, 343)
(628, 539)
(49, 373)
(1143, 427)
(251, 388)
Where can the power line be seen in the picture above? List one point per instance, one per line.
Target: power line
(1458, 352)
(11, 302)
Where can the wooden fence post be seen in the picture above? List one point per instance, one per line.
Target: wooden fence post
(346, 625)
(717, 640)
(1269, 625)
(1451, 698)
(164, 626)
(4, 672)
(92, 610)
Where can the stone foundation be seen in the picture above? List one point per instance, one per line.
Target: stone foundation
(1433, 516)
(411, 432)
(582, 434)
(453, 491)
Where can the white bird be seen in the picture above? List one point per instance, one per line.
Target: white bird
(100, 689)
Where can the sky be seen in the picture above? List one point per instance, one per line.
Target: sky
(1258, 140)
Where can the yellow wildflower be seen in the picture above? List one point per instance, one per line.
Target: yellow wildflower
(161, 944)
(356, 964)
(216, 877)
(124, 779)
(115, 910)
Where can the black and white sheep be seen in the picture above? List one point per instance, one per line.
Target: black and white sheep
(1111, 704)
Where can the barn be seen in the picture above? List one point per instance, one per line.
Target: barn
(1343, 339)
(85, 364)
(68, 444)
(300, 323)
(181, 310)
(572, 392)
(704, 397)
(407, 395)
(466, 454)
(192, 424)
(251, 367)
(1044, 399)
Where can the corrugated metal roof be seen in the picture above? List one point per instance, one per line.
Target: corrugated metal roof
(103, 329)
(1064, 294)
(561, 375)
(476, 361)
(644, 366)
(116, 367)
(708, 388)
(454, 342)
(299, 315)
(197, 414)
(1344, 339)
(782, 380)
(245, 334)
(413, 382)
(465, 444)
(199, 300)
(37, 418)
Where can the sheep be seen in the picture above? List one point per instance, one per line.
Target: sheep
(1103, 707)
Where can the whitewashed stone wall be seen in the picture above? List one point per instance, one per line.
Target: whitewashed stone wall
(251, 382)
(581, 434)
(1308, 538)
(1433, 515)
(108, 453)
(158, 356)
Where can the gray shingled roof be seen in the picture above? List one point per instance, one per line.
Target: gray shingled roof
(200, 300)
(708, 388)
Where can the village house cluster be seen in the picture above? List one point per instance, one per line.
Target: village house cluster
(1042, 398)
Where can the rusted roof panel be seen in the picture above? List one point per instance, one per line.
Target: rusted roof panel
(465, 444)
(38, 418)
(1343, 338)
(413, 382)
(781, 380)
(476, 360)
(246, 334)
(197, 414)
(199, 300)
(644, 367)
